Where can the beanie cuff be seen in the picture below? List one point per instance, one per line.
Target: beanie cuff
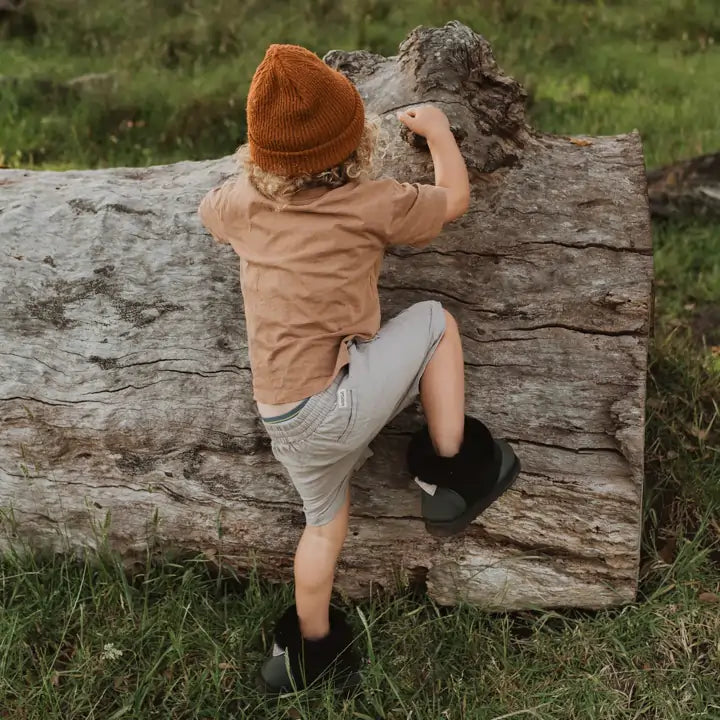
(313, 160)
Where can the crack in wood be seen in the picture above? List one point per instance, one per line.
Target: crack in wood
(435, 291)
(198, 373)
(499, 540)
(126, 387)
(584, 331)
(449, 253)
(468, 363)
(59, 403)
(585, 246)
(34, 359)
(490, 340)
(111, 363)
(424, 101)
(533, 243)
(579, 450)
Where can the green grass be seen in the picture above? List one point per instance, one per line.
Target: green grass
(80, 640)
(182, 69)
(191, 639)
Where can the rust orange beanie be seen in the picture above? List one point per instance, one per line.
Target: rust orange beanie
(303, 117)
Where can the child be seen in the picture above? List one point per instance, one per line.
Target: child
(311, 229)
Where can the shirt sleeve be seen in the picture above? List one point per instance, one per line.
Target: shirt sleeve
(414, 213)
(211, 213)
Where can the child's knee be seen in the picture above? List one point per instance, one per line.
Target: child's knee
(335, 530)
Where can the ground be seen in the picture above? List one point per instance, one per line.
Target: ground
(93, 84)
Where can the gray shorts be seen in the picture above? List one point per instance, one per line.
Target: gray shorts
(327, 440)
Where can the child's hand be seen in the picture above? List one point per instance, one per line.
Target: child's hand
(450, 170)
(426, 120)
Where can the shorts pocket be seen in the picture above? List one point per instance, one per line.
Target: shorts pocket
(340, 421)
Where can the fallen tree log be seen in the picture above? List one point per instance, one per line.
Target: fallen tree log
(690, 188)
(125, 400)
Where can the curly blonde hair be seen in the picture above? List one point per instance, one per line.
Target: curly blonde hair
(363, 164)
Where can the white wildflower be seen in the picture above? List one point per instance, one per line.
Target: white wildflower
(110, 652)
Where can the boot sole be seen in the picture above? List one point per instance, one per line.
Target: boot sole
(448, 528)
(344, 685)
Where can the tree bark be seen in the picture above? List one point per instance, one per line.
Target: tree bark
(125, 397)
(687, 188)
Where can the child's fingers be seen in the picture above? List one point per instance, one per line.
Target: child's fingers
(407, 118)
(406, 114)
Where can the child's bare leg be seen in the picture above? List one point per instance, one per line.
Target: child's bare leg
(442, 391)
(315, 561)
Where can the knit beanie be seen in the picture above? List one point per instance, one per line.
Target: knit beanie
(302, 116)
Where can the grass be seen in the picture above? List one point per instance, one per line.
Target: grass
(81, 639)
(181, 69)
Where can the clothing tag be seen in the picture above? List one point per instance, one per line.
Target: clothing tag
(277, 650)
(342, 398)
(427, 487)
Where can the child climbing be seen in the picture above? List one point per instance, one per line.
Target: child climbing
(311, 228)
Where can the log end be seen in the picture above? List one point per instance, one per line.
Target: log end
(454, 68)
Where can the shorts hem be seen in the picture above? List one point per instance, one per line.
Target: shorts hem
(331, 513)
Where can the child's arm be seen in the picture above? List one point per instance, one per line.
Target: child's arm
(450, 170)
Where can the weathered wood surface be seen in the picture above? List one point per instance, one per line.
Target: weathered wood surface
(687, 188)
(125, 396)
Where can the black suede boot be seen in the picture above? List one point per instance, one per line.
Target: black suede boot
(456, 490)
(296, 663)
